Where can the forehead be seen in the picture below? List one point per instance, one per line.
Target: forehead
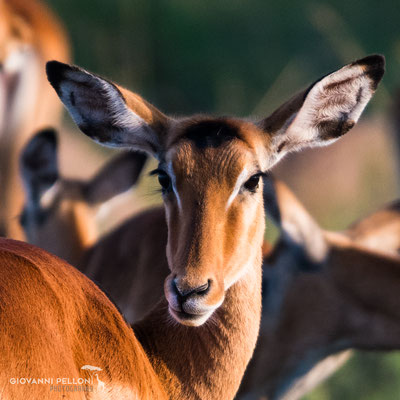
(217, 147)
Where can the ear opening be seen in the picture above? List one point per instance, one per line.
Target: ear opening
(291, 217)
(107, 113)
(325, 111)
(116, 177)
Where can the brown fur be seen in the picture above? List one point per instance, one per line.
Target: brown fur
(54, 320)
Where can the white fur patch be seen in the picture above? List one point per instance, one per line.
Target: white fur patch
(239, 182)
(171, 174)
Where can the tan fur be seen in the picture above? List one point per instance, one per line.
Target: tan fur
(28, 30)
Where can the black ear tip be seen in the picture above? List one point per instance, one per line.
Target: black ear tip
(40, 150)
(372, 59)
(48, 135)
(374, 66)
(55, 72)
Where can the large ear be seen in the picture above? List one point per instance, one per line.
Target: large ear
(292, 218)
(326, 110)
(39, 164)
(119, 175)
(109, 114)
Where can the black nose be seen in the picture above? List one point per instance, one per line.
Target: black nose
(183, 293)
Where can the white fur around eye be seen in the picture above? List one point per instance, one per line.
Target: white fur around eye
(239, 182)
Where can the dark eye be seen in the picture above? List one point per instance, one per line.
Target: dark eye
(165, 181)
(252, 184)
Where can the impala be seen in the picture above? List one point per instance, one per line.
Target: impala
(323, 293)
(288, 374)
(29, 36)
(59, 214)
(130, 263)
(209, 169)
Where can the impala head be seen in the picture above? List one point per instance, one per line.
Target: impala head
(210, 168)
(59, 213)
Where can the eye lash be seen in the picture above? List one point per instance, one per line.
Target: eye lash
(260, 174)
(157, 171)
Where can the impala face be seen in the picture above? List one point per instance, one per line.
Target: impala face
(212, 189)
(210, 168)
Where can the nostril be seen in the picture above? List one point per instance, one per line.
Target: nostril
(203, 289)
(175, 288)
(185, 292)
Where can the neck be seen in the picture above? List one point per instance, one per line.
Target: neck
(207, 361)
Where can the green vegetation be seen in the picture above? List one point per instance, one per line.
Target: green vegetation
(222, 56)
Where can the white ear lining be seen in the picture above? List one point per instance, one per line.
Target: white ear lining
(341, 95)
(125, 127)
(119, 114)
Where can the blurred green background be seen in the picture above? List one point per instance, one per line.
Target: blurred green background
(245, 58)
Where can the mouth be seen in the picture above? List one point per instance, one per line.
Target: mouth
(189, 319)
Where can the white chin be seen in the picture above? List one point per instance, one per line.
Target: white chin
(190, 319)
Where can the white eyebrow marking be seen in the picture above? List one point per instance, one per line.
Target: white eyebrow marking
(241, 178)
(170, 170)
